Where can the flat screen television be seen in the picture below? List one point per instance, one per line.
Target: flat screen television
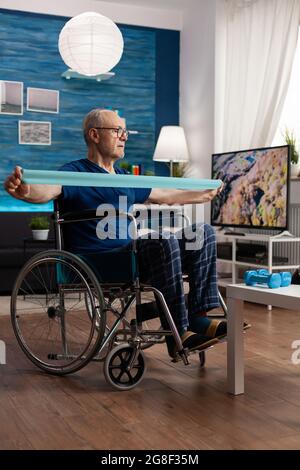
(256, 188)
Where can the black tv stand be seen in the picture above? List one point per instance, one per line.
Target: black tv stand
(234, 233)
(283, 234)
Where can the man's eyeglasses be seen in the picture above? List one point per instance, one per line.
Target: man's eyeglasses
(118, 130)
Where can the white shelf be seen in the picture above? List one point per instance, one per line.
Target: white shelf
(225, 281)
(257, 238)
(228, 261)
(274, 267)
(268, 239)
(255, 265)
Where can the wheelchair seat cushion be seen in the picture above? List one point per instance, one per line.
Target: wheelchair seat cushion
(112, 266)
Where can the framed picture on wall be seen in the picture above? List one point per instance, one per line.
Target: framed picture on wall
(42, 100)
(11, 97)
(35, 132)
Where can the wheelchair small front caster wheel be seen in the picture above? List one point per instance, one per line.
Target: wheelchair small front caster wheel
(119, 370)
(202, 358)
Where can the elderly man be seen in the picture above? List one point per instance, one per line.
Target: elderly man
(162, 260)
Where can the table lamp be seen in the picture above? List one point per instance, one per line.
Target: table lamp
(171, 146)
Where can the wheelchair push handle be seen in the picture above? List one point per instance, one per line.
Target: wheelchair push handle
(91, 214)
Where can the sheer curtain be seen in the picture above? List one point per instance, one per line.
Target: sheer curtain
(255, 46)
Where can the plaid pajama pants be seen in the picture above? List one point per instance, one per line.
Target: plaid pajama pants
(163, 261)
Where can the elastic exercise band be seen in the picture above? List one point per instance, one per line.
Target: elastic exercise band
(74, 178)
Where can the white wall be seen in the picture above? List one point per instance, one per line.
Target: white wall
(197, 22)
(120, 13)
(197, 71)
(197, 76)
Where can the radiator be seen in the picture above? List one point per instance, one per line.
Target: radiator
(290, 250)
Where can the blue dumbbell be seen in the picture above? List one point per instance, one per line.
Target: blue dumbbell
(286, 277)
(272, 280)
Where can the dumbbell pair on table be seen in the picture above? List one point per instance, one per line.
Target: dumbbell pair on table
(262, 276)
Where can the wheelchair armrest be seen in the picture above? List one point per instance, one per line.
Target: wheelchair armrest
(90, 214)
(156, 214)
(77, 216)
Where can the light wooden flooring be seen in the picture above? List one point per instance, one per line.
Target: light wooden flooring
(175, 407)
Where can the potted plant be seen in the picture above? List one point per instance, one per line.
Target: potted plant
(125, 166)
(291, 141)
(179, 169)
(40, 227)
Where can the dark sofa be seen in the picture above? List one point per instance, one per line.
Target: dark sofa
(13, 229)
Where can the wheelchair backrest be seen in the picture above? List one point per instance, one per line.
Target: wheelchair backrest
(114, 266)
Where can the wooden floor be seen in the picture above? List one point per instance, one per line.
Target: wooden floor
(175, 407)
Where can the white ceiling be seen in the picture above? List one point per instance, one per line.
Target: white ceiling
(162, 4)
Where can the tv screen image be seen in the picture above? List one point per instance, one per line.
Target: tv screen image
(256, 188)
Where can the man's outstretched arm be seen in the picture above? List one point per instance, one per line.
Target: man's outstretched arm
(37, 193)
(178, 196)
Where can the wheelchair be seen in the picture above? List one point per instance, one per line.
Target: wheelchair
(69, 309)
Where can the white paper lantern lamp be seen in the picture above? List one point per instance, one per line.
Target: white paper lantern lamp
(90, 44)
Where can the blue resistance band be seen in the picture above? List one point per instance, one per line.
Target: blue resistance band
(74, 178)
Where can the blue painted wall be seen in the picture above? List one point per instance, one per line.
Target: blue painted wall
(145, 90)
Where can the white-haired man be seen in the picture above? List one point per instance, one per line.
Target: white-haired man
(161, 261)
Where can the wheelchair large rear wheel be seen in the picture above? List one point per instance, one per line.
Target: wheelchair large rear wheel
(49, 315)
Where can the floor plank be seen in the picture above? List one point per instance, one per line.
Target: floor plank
(174, 407)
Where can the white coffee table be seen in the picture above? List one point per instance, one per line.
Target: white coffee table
(285, 297)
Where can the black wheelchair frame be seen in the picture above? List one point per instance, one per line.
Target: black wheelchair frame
(60, 311)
